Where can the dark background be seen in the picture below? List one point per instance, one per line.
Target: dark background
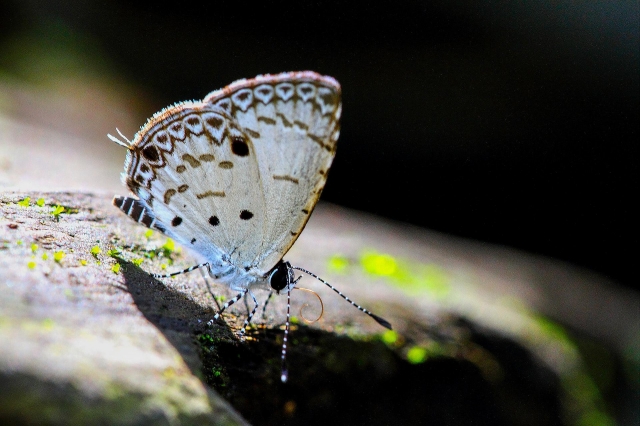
(514, 124)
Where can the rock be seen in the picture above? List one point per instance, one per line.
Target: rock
(88, 336)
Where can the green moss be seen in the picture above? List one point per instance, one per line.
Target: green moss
(31, 264)
(169, 246)
(378, 264)
(338, 264)
(412, 277)
(34, 248)
(95, 251)
(114, 252)
(115, 268)
(56, 211)
(389, 337)
(47, 324)
(417, 355)
(59, 255)
(40, 202)
(24, 202)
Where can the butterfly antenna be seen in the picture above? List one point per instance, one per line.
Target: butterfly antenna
(179, 272)
(383, 322)
(284, 375)
(248, 320)
(125, 142)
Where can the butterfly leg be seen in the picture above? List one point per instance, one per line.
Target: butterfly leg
(248, 320)
(266, 302)
(226, 305)
(184, 271)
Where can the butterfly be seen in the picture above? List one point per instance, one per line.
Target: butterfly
(235, 177)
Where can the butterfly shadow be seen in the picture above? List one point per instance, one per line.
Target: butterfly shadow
(180, 319)
(333, 378)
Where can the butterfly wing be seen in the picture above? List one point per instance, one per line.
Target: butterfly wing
(236, 176)
(294, 121)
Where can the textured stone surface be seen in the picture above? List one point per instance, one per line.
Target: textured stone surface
(93, 338)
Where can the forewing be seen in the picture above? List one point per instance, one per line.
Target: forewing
(197, 170)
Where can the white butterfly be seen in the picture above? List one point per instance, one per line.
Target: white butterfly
(236, 176)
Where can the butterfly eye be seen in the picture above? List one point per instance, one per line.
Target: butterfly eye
(280, 276)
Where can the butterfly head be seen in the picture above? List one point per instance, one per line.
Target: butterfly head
(282, 277)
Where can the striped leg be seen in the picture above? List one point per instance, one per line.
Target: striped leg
(226, 305)
(184, 271)
(266, 302)
(248, 320)
(379, 320)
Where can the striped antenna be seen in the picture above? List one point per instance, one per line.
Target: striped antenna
(284, 373)
(383, 322)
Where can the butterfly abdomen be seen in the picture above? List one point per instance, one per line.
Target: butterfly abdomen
(137, 211)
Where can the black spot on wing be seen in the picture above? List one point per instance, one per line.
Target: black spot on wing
(239, 147)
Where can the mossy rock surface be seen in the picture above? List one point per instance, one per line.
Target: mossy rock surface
(87, 336)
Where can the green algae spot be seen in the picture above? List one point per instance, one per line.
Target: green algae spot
(45, 256)
(379, 264)
(417, 355)
(435, 280)
(40, 202)
(169, 373)
(34, 248)
(59, 255)
(338, 264)
(170, 245)
(148, 233)
(47, 324)
(389, 337)
(24, 202)
(412, 277)
(114, 252)
(116, 268)
(95, 251)
(31, 264)
(83, 262)
(19, 242)
(206, 339)
(138, 261)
